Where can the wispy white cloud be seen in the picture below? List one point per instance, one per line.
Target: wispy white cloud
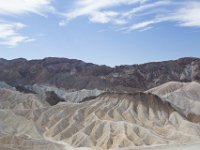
(107, 17)
(145, 7)
(126, 15)
(184, 13)
(9, 30)
(19, 7)
(141, 25)
(187, 15)
(98, 12)
(9, 34)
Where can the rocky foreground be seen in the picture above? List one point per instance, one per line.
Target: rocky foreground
(38, 116)
(105, 120)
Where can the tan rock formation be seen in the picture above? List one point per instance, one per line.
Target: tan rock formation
(185, 97)
(112, 120)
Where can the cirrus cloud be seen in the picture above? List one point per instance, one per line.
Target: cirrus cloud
(19, 7)
(98, 11)
(9, 30)
(9, 35)
(139, 15)
(187, 15)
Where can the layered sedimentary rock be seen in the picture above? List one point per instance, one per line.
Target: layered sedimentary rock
(112, 120)
(37, 96)
(11, 99)
(63, 104)
(185, 97)
(71, 95)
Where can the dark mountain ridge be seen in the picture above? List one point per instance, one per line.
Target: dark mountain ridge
(76, 74)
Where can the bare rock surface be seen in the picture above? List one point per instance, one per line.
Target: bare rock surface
(65, 104)
(185, 97)
(75, 74)
(109, 121)
(6, 86)
(11, 99)
(71, 95)
(169, 147)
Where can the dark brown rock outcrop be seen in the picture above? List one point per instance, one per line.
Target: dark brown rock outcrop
(76, 74)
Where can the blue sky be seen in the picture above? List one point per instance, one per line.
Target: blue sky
(110, 32)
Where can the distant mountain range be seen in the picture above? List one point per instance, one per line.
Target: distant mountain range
(63, 104)
(76, 74)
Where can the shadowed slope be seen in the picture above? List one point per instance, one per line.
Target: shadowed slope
(109, 121)
(185, 97)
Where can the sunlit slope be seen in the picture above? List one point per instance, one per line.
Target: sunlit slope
(12, 99)
(109, 121)
(185, 97)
